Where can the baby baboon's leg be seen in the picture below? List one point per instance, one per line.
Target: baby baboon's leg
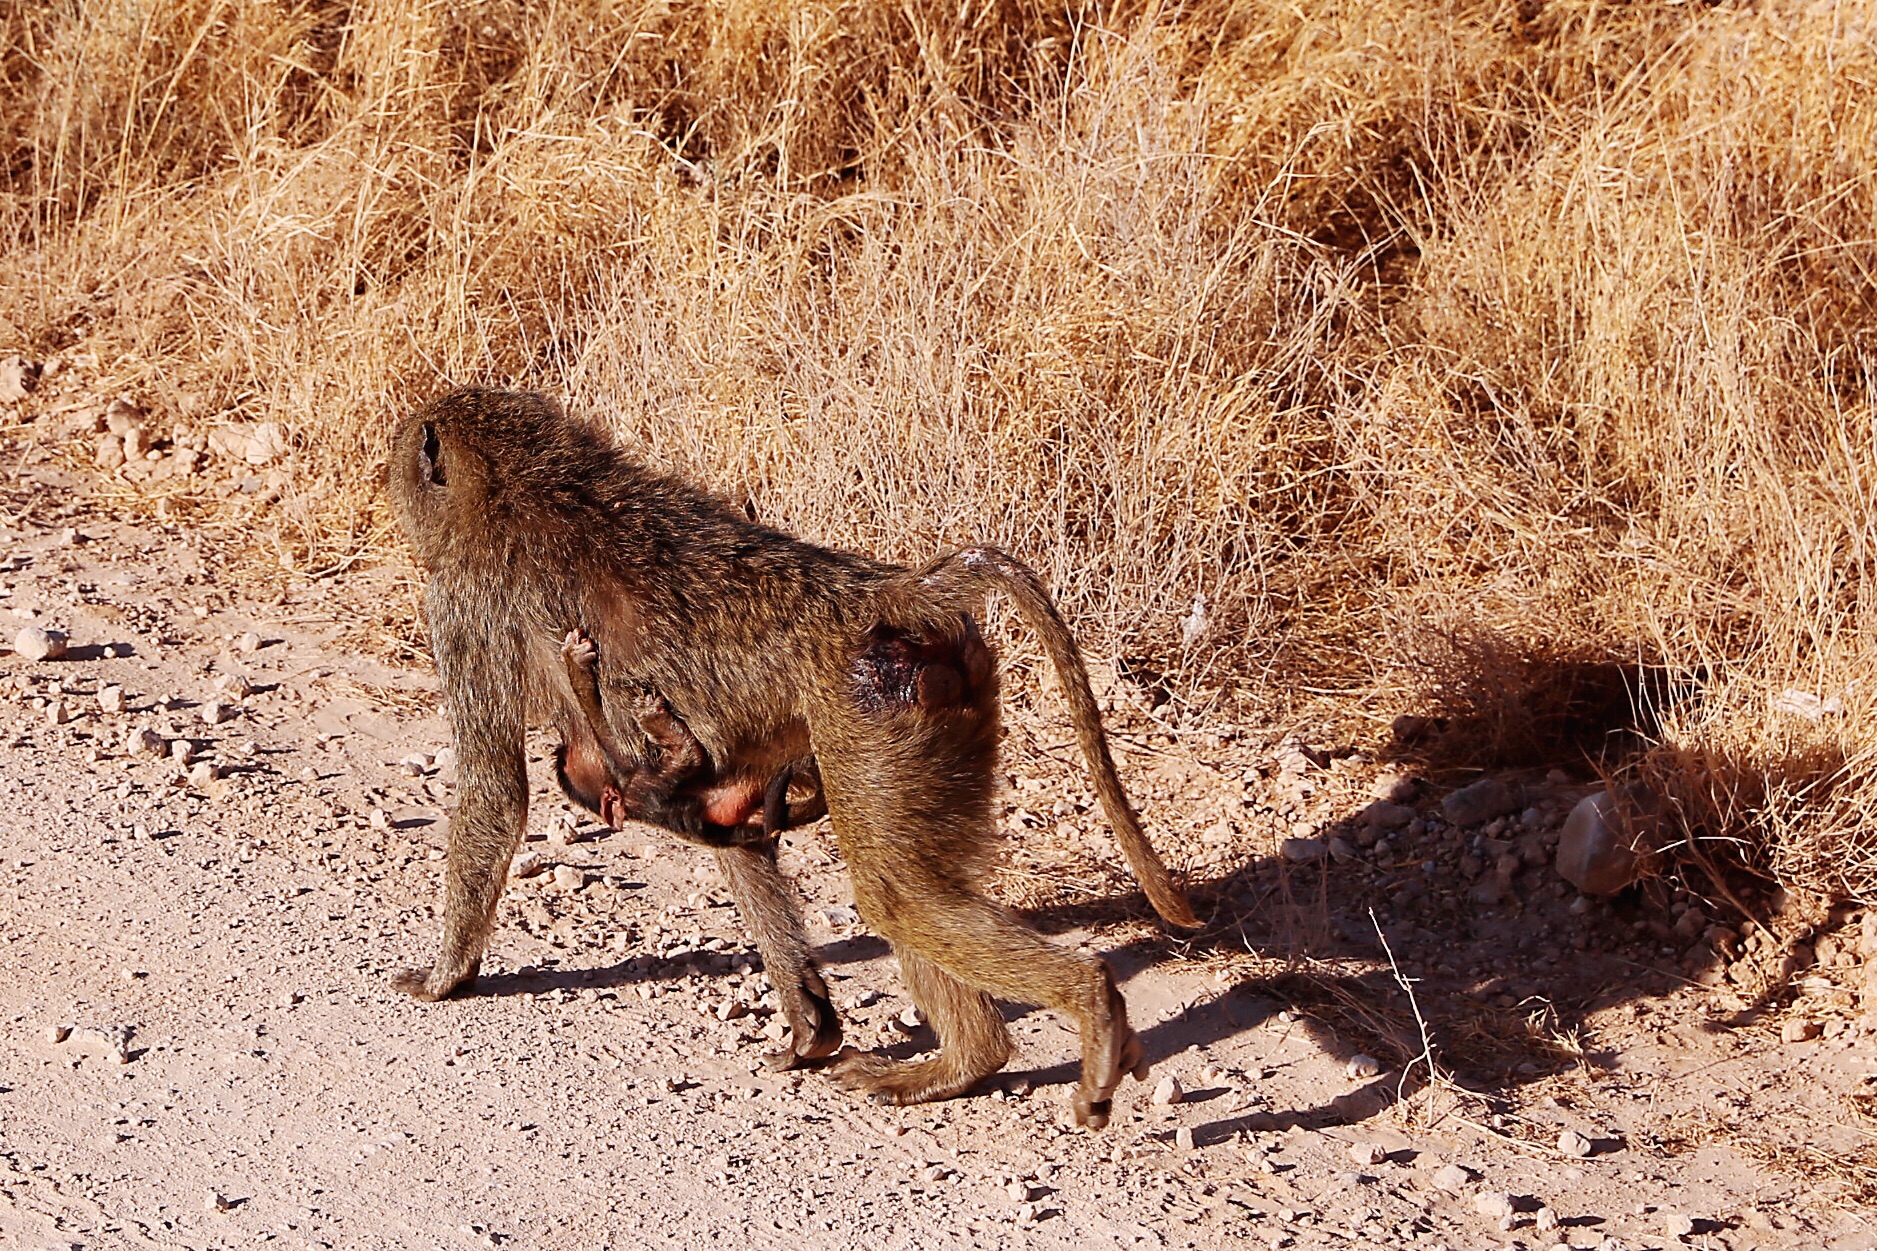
(774, 920)
(976, 943)
(778, 813)
(973, 1042)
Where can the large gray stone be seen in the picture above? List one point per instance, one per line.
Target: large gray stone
(1592, 854)
(1479, 803)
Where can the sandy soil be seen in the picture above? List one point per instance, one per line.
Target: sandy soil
(605, 1088)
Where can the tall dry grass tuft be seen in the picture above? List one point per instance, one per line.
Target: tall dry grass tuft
(1426, 342)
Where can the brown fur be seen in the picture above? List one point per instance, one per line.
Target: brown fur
(680, 792)
(768, 649)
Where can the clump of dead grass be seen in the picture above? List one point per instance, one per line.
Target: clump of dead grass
(1546, 325)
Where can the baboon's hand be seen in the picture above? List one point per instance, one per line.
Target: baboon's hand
(428, 986)
(580, 650)
(814, 1029)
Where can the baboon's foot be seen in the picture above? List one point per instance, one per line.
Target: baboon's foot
(896, 1083)
(814, 1029)
(579, 650)
(1114, 1055)
(430, 985)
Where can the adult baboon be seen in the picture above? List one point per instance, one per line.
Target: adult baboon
(769, 649)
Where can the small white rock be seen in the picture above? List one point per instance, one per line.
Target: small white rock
(1798, 1031)
(1494, 1205)
(1018, 1191)
(201, 774)
(235, 685)
(213, 712)
(380, 819)
(144, 741)
(58, 712)
(111, 700)
(527, 864)
(1361, 1068)
(1168, 1091)
(1367, 1153)
(248, 643)
(214, 1202)
(183, 752)
(1573, 1144)
(1452, 1178)
(566, 877)
(38, 643)
(1677, 1224)
(1545, 1221)
(1183, 1138)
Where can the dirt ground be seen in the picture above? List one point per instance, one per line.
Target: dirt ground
(605, 1088)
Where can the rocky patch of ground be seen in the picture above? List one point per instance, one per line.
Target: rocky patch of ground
(224, 827)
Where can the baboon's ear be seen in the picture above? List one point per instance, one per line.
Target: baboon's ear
(427, 462)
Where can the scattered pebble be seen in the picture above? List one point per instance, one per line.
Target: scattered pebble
(1573, 1144)
(1019, 1191)
(214, 712)
(56, 1034)
(1479, 803)
(58, 712)
(527, 864)
(1545, 1221)
(908, 1021)
(1394, 788)
(1798, 1031)
(1494, 1205)
(1591, 855)
(201, 773)
(111, 700)
(183, 752)
(1367, 1153)
(380, 819)
(1303, 850)
(1452, 1177)
(1383, 815)
(248, 642)
(235, 685)
(1677, 1224)
(566, 877)
(1183, 1138)
(215, 1202)
(1362, 1067)
(144, 741)
(1168, 1091)
(38, 643)
(18, 378)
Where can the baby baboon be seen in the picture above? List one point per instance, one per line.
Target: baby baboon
(769, 650)
(680, 791)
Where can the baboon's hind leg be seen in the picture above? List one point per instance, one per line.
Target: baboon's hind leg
(975, 943)
(973, 1042)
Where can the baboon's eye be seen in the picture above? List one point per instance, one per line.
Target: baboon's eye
(427, 462)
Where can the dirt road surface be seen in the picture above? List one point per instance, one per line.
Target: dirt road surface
(606, 1087)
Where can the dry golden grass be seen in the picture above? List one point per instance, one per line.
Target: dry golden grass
(1545, 330)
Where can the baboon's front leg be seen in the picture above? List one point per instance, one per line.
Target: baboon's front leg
(774, 920)
(492, 771)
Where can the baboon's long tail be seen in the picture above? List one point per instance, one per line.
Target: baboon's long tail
(977, 570)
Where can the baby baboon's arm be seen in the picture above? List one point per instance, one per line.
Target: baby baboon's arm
(679, 792)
